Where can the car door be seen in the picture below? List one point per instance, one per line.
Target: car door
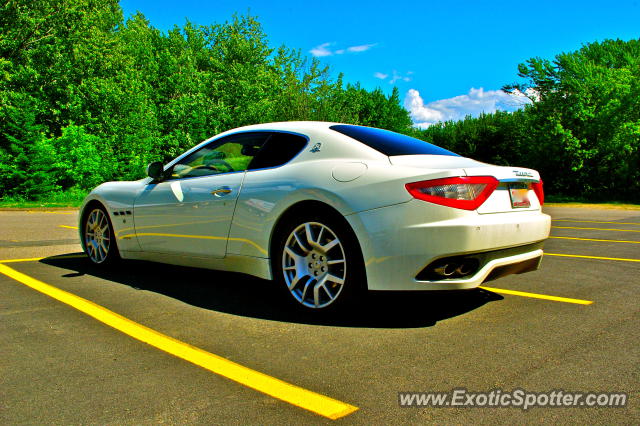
(190, 211)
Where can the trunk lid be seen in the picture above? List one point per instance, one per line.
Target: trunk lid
(513, 194)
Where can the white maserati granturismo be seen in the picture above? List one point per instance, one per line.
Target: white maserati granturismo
(326, 210)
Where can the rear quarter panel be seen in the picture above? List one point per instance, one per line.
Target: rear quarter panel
(267, 194)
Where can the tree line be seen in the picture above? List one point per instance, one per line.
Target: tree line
(87, 96)
(581, 131)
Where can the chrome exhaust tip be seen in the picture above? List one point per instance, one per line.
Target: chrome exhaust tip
(446, 270)
(464, 269)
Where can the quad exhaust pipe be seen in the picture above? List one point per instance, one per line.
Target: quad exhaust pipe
(453, 267)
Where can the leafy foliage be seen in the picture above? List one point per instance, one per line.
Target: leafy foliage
(87, 97)
(582, 131)
(585, 125)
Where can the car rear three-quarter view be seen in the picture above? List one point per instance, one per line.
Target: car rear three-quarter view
(326, 210)
(463, 222)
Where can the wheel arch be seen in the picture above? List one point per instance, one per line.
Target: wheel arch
(298, 209)
(86, 208)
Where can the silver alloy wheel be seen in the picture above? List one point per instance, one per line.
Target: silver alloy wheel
(97, 236)
(314, 265)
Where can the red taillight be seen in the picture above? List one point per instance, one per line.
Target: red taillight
(537, 188)
(464, 192)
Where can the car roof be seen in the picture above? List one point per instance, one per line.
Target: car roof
(334, 144)
(288, 126)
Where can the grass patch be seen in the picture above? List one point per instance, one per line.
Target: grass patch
(604, 206)
(69, 199)
(564, 201)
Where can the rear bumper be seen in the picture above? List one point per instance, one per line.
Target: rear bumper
(496, 265)
(399, 241)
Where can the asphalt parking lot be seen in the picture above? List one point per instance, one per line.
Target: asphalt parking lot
(573, 325)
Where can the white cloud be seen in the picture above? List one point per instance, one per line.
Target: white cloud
(361, 48)
(421, 114)
(400, 77)
(530, 93)
(325, 50)
(394, 77)
(321, 50)
(474, 103)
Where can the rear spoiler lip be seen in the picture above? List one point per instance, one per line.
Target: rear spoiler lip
(504, 173)
(521, 179)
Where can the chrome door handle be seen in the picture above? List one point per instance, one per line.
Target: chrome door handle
(221, 192)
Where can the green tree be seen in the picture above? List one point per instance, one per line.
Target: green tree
(86, 96)
(585, 123)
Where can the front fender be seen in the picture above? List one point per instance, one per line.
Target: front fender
(115, 197)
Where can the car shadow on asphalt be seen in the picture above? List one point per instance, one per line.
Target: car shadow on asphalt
(244, 295)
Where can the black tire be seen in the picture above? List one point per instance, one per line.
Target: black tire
(98, 239)
(352, 272)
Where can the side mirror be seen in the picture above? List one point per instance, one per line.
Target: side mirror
(155, 170)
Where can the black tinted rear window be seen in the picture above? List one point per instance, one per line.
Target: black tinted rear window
(390, 143)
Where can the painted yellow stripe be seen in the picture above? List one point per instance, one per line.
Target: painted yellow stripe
(595, 221)
(35, 259)
(592, 257)
(539, 296)
(32, 259)
(597, 229)
(158, 234)
(67, 226)
(596, 239)
(173, 225)
(303, 398)
(202, 237)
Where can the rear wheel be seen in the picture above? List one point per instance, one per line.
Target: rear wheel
(318, 263)
(98, 237)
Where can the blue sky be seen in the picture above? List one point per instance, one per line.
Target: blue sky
(448, 59)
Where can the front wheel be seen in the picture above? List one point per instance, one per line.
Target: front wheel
(319, 263)
(98, 237)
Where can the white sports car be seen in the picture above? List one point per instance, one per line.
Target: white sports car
(326, 210)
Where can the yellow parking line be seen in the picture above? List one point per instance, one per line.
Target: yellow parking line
(593, 257)
(539, 296)
(67, 226)
(32, 259)
(35, 259)
(303, 398)
(595, 221)
(597, 229)
(596, 239)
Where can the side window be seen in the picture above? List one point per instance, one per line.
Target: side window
(232, 153)
(279, 149)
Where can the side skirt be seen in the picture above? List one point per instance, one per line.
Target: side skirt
(257, 266)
